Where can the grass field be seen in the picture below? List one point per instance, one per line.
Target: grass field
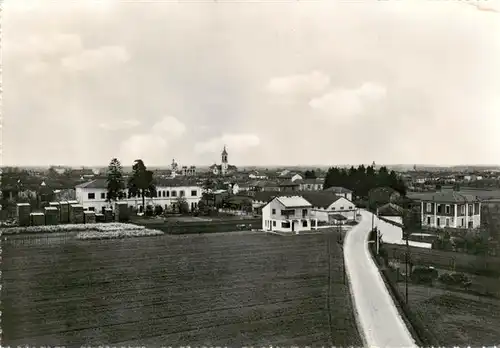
(455, 318)
(234, 289)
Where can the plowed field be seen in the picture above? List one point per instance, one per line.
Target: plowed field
(233, 289)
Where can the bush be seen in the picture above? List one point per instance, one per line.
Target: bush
(455, 279)
(158, 210)
(424, 274)
(149, 210)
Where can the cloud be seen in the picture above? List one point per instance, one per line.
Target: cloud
(299, 83)
(235, 143)
(152, 147)
(343, 102)
(148, 147)
(304, 84)
(169, 127)
(120, 124)
(102, 57)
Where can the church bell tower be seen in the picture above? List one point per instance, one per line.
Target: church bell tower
(224, 163)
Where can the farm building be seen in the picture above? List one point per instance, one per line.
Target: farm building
(288, 214)
(92, 194)
(340, 191)
(326, 206)
(392, 212)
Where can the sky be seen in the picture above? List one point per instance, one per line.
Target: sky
(288, 83)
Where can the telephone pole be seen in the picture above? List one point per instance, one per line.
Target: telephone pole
(340, 240)
(407, 254)
(378, 237)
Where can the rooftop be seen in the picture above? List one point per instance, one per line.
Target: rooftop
(160, 182)
(293, 201)
(446, 197)
(320, 199)
(338, 189)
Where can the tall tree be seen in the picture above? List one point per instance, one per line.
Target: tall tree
(310, 174)
(115, 181)
(361, 180)
(141, 182)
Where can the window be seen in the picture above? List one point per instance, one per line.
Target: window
(304, 223)
(181, 193)
(91, 195)
(288, 212)
(350, 208)
(438, 222)
(429, 220)
(341, 208)
(333, 208)
(273, 211)
(103, 195)
(174, 193)
(439, 208)
(462, 209)
(429, 207)
(274, 223)
(91, 209)
(447, 209)
(168, 194)
(304, 212)
(285, 224)
(194, 193)
(470, 209)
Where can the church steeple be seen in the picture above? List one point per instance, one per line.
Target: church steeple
(224, 164)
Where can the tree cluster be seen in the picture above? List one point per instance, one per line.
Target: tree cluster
(362, 179)
(310, 174)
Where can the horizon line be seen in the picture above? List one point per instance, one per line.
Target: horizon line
(86, 166)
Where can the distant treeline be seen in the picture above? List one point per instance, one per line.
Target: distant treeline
(362, 179)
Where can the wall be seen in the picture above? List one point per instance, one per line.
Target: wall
(98, 203)
(397, 219)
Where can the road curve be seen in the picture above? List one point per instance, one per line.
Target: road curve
(378, 318)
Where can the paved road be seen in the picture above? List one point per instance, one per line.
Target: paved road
(379, 320)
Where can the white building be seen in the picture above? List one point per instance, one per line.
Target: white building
(340, 191)
(327, 207)
(296, 177)
(311, 184)
(450, 209)
(392, 212)
(92, 194)
(288, 214)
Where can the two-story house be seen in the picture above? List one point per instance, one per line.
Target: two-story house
(92, 194)
(450, 209)
(288, 214)
(327, 207)
(311, 184)
(288, 186)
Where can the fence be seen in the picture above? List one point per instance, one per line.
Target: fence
(480, 265)
(234, 212)
(415, 324)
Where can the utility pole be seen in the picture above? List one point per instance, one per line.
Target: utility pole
(406, 266)
(378, 237)
(340, 240)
